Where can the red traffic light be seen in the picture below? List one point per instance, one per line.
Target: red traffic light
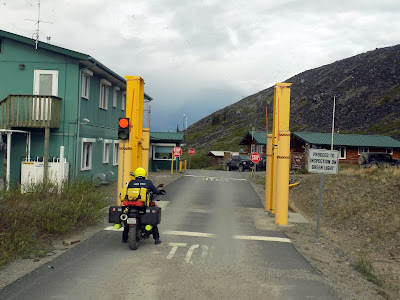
(123, 128)
(123, 122)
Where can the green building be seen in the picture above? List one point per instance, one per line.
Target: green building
(74, 96)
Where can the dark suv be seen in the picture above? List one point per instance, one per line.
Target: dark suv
(239, 162)
(377, 160)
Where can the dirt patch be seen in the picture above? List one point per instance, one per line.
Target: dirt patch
(20, 267)
(352, 219)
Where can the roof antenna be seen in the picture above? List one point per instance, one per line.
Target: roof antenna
(35, 36)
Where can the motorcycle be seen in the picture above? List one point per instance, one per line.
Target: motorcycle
(136, 213)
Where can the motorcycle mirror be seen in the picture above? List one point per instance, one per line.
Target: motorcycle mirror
(131, 173)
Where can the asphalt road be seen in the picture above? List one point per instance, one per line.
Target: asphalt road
(218, 243)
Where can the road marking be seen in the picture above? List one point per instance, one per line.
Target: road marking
(111, 228)
(189, 253)
(261, 238)
(216, 178)
(187, 233)
(174, 248)
(236, 237)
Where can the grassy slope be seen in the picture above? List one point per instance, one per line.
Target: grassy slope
(361, 212)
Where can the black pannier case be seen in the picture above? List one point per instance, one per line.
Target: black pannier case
(152, 216)
(114, 214)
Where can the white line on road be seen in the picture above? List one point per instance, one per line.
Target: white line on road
(261, 238)
(236, 237)
(187, 233)
(111, 228)
(240, 179)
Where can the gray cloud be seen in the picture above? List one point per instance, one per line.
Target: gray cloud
(190, 51)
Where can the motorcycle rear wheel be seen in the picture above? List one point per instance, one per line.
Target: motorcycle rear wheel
(132, 237)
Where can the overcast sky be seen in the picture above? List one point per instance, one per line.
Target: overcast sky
(199, 56)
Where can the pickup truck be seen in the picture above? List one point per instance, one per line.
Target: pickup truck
(239, 162)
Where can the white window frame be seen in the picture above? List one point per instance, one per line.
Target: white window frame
(260, 149)
(339, 148)
(123, 100)
(87, 165)
(54, 81)
(115, 152)
(361, 150)
(115, 95)
(389, 151)
(104, 92)
(161, 145)
(252, 148)
(85, 84)
(106, 151)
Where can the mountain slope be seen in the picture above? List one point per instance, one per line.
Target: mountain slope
(367, 90)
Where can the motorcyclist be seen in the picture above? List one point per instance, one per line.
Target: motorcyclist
(141, 182)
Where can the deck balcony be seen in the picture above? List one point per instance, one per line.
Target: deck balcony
(30, 111)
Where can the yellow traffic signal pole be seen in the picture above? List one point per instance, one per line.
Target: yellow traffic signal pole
(130, 151)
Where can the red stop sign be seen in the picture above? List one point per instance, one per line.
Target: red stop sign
(177, 151)
(255, 157)
(191, 151)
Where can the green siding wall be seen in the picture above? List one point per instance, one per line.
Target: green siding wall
(103, 123)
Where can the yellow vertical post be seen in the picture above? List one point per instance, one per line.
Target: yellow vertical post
(180, 166)
(268, 175)
(282, 182)
(145, 148)
(130, 151)
(281, 145)
(172, 164)
(185, 164)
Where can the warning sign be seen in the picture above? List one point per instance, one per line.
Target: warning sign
(323, 161)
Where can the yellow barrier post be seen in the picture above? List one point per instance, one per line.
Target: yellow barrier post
(282, 190)
(145, 149)
(185, 164)
(268, 174)
(281, 150)
(180, 166)
(172, 164)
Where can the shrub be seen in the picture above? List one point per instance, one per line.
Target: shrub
(26, 219)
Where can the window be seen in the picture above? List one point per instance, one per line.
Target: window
(106, 151)
(342, 152)
(104, 91)
(45, 82)
(260, 149)
(389, 151)
(115, 96)
(363, 150)
(162, 151)
(87, 153)
(86, 74)
(252, 148)
(123, 101)
(115, 153)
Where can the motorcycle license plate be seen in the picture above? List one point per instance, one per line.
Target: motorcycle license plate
(131, 221)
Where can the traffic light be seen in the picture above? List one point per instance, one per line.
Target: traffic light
(123, 128)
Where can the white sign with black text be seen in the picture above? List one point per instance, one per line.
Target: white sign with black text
(323, 161)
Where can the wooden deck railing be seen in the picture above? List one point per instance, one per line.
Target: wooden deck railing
(30, 111)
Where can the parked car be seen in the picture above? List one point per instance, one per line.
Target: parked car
(377, 160)
(239, 162)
